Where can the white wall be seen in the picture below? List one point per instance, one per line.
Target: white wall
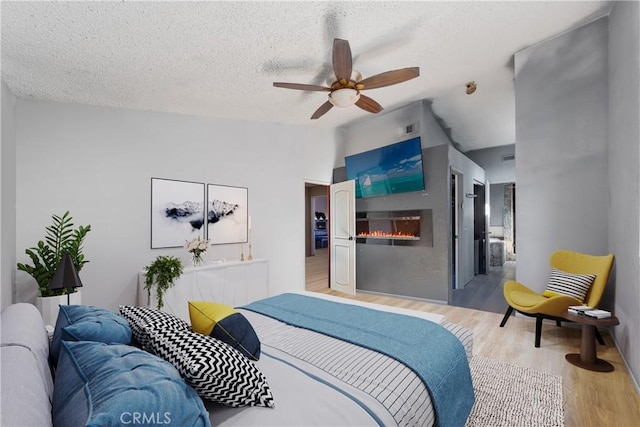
(97, 162)
(624, 176)
(561, 149)
(497, 171)
(8, 190)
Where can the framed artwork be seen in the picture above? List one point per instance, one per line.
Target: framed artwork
(227, 214)
(177, 212)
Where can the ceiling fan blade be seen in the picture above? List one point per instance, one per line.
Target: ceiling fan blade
(323, 109)
(342, 60)
(368, 104)
(389, 78)
(301, 86)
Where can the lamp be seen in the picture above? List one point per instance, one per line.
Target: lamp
(66, 277)
(344, 97)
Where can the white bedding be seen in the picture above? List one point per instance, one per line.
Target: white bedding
(436, 318)
(322, 381)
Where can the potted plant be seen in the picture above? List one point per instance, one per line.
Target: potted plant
(160, 275)
(60, 238)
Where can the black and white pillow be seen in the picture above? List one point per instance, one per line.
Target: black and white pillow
(214, 369)
(570, 284)
(141, 319)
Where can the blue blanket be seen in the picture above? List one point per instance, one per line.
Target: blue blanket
(434, 353)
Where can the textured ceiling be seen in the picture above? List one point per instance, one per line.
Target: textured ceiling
(220, 58)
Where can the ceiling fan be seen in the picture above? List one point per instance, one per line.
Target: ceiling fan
(345, 90)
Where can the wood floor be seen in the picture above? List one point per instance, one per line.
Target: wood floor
(590, 398)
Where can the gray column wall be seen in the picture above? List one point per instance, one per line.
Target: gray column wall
(624, 176)
(561, 149)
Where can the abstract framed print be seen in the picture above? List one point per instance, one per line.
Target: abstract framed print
(227, 214)
(177, 212)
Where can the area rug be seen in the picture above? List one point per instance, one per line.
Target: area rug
(509, 395)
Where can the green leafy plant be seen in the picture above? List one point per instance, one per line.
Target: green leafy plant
(161, 274)
(60, 238)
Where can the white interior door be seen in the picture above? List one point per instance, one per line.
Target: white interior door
(342, 226)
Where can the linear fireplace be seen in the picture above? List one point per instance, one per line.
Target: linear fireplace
(396, 228)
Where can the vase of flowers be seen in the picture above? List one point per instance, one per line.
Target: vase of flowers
(196, 248)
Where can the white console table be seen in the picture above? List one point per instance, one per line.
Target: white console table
(234, 283)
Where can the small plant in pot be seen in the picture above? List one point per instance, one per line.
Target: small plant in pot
(161, 275)
(60, 238)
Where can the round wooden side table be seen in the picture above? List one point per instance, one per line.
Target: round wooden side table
(587, 358)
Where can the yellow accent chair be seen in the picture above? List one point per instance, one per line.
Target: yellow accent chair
(548, 305)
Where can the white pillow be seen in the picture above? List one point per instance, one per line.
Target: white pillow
(570, 284)
(217, 371)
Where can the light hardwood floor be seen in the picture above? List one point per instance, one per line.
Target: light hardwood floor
(590, 398)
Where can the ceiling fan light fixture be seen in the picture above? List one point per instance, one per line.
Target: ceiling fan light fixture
(345, 97)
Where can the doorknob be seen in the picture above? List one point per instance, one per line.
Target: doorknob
(350, 237)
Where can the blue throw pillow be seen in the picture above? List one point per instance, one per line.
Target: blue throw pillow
(88, 323)
(108, 385)
(224, 323)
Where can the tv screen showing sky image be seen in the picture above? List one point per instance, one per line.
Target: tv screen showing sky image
(395, 168)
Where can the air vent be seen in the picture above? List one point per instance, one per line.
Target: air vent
(409, 129)
(507, 157)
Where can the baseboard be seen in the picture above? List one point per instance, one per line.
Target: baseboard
(633, 379)
(432, 301)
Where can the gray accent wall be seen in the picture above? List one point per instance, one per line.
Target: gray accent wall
(8, 197)
(561, 150)
(578, 160)
(624, 176)
(422, 272)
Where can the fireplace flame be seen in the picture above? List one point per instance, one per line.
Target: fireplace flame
(385, 234)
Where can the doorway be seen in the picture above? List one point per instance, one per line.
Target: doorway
(456, 221)
(480, 229)
(316, 221)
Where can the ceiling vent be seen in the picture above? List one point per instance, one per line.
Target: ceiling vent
(508, 157)
(408, 129)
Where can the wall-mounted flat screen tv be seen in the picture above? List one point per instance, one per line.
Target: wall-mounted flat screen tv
(395, 168)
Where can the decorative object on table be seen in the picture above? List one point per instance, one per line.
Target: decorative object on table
(177, 212)
(60, 239)
(578, 309)
(598, 314)
(196, 248)
(66, 277)
(250, 256)
(227, 214)
(161, 274)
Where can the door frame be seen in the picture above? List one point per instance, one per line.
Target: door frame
(456, 221)
(308, 222)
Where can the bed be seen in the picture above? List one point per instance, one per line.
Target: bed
(318, 379)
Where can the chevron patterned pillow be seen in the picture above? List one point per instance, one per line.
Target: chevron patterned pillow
(141, 318)
(214, 369)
